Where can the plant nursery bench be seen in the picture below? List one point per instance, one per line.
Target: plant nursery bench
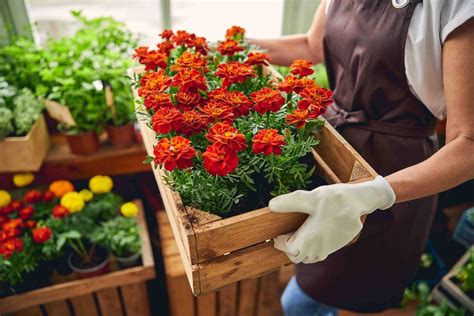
(120, 292)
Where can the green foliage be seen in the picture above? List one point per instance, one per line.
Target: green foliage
(6, 122)
(102, 207)
(6, 92)
(20, 263)
(120, 236)
(27, 109)
(466, 274)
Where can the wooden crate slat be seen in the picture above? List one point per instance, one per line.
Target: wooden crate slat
(84, 305)
(248, 297)
(180, 297)
(206, 305)
(30, 311)
(58, 308)
(228, 300)
(268, 295)
(109, 302)
(135, 298)
(147, 253)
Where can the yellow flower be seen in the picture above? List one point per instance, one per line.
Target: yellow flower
(61, 187)
(129, 209)
(5, 198)
(101, 184)
(73, 201)
(23, 179)
(86, 195)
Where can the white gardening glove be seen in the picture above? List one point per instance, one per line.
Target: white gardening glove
(334, 216)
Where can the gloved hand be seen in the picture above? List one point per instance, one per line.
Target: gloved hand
(334, 216)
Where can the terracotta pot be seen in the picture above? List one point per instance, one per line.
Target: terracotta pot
(83, 143)
(121, 136)
(102, 267)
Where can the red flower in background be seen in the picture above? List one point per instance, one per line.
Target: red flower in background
(189, 80)
(268, 141)
(41, 234)
(229, 47)
(291, 84)
(301, 67)
(33, 196)
(192, 123)
(8, 247)
(166, 34)
(215, 111)
(199, 44)
(181, 38)
(165, 120)
(267, 99)
(224, 135)
(3, 219)
(189, 60)
(48, 196)
(151, 58)
(234, 72)
(13, 227)
(153, 82)
(220, 160)
(60, 211)
(187, 100)
(30, 224)
(157, 100)
(235, 32)
(26, 213)
(258, 58)
(174, 153)
(300, 117)
(165, 47)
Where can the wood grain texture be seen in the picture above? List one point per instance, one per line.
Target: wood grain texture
(228, 300)
(180, 297)
(84, 305)
(109, 302)
(269, 298)
(58, 308)
(248, 297)
(30, 311)
(206, 305)
(135, 299)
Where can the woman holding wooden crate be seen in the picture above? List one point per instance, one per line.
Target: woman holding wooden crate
(395, 67)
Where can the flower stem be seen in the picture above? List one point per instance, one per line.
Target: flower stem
(268, 119)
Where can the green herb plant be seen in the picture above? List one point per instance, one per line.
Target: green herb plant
(120, 236)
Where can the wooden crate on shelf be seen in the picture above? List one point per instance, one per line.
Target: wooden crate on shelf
(258, 296)
(120, 292)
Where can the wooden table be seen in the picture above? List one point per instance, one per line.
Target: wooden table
(61, 164)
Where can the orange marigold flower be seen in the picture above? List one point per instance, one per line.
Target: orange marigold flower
(189, 80)
(220, 160)
(268, 141)
(301, 67)
(187, 100)
(41, 234)
(229, 47)
(215, 111)
(157, 100)
(300, 117)
(234, 72)
(226, 135)
(235, 32)
(218, 94)
(13, 227)
(151, 58)
(165, 47)
(316, 95)
(193, 123)
(166, 120)
(267, 99)
(291, 84)
(174, 153)
(257, 58)
(189, 60)
(153, 82)
(199, 44)
(166, 34)
(61, 187)
(181, 38)
(238, 101)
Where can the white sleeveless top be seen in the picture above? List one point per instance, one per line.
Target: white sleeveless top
(431, 23)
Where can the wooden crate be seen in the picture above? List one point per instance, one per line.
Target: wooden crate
(258, 296)
(25, 153)
(120, 292)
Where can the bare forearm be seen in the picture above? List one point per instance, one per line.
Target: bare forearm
(450, 166)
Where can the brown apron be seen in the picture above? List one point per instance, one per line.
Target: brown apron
(375, 111)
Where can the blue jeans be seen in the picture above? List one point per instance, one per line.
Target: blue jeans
(295, 302)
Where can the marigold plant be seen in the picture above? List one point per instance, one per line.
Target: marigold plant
(228, 134)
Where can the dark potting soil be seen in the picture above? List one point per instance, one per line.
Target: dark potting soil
(98, 257)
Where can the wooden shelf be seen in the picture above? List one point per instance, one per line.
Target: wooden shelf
(61, 164)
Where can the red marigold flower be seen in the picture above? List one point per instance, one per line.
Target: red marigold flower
(13, 227)
(41, 234)
(235, 32)
(314, 108)
(141, 53)
(229, 47)
(3, 219)
(26, 213)
(10, 246)
(317, 95)
(48, 196)
(16, 205)
(30, 224)
(220, 160)
(193, 123)
(234, 72)
(180, 38)
(257, 58)
(267, 99)
(153, 82)
(268, 141)
(187, 100)
(238, 101)
(301, 67)
(300, 117)
(189, 60)
(199, 44)
(60, 211)
(155, 59)
(165, 120)
(33, 196)
(157, 100)
(189, 80)
(226, 135)
(291, 84)
(174, 153)
(166, 34)
(165, 47)
(215, 111)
